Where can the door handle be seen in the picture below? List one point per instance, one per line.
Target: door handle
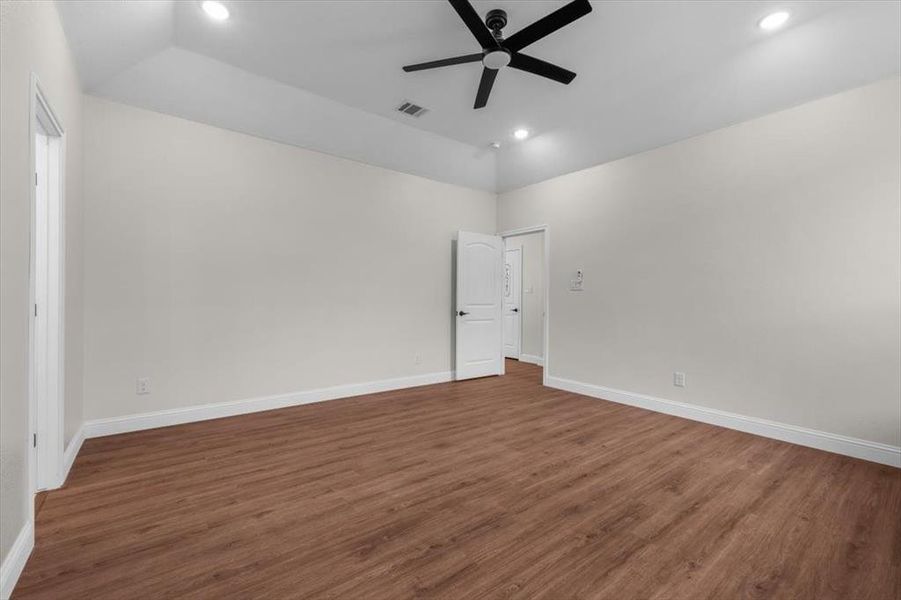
(462, 312)
(515, 309)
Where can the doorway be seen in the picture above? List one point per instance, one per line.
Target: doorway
(46, 318)
(525, 316)
(496, 314)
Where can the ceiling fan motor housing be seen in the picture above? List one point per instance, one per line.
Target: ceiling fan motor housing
(496, 20)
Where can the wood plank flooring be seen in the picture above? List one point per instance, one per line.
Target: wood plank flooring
(491, 488)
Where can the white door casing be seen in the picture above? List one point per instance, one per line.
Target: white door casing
(40, 358)
(47, 275)
(546, 278)
(479, 343)
(513, 303)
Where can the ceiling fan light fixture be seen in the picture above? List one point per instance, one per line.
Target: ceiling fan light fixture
(215, 10)
(496, 59)
(774, 21)
(521, 133)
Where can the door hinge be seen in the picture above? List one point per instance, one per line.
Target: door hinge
(35, 178)
(34, 440)
(35, 310)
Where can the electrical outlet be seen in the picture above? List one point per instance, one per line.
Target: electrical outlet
(143, 386)
(679, 379)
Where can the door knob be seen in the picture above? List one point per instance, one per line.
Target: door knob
(462, 312)
(515, 310)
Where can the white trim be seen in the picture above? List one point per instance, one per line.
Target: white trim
(830, 442)
(44, 473)
(531, 358)
(547, 286)
(71, 454)
(191, 414)
(15, 561)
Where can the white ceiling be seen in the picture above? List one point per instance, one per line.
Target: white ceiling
(327, 75)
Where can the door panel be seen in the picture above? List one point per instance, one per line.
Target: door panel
(512, 303)
(480, 284)
(479, 305)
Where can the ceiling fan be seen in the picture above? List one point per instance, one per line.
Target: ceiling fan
(498, 52)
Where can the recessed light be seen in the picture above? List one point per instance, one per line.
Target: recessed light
(521, 134)
(495, 145)
(774, 20)
(216, 10)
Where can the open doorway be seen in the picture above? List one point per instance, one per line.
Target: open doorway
(47, 287)
(501, 302)
(525, 295)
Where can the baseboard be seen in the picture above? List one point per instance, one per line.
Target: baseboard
(164, 418)
(15, 561)
(70, 454)
(839, 444)
(21, 549)
(531, 358)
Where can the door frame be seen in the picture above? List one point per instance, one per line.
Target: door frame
(547, 287)
(518, 347)
(47, 421)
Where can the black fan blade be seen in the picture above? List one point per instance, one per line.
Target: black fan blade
(559, 18)
(472, 20)
(530, 64)
(444, 62)
(485, 84)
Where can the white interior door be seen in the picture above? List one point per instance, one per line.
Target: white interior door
(480, 261)
(512, 302)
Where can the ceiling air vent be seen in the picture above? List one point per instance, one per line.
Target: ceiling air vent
(414, 110)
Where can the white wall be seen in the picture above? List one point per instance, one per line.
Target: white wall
(532, 247)
(227, 267)
(186, 84)
(763, 260)
(32, 40)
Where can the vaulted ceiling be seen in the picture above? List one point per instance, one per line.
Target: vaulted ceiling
(327, 75)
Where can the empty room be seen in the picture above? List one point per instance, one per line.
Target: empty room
(457, 299)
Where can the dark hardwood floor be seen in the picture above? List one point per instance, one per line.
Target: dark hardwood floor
(491, 488)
